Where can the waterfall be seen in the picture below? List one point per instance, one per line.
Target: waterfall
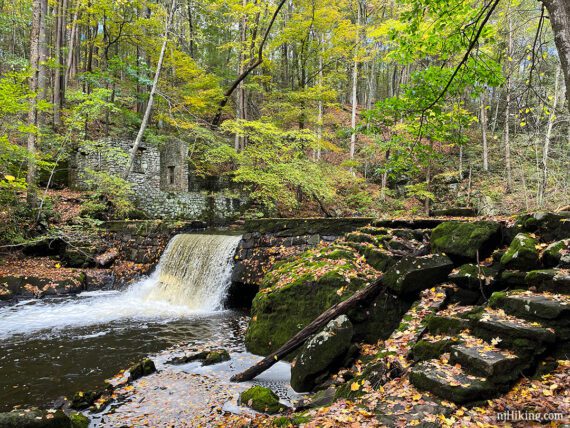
(195, 271)
(191, 280)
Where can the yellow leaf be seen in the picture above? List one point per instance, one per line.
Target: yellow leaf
(57, 265)
(9, 177)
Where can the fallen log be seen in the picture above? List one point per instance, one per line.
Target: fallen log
(317, 324)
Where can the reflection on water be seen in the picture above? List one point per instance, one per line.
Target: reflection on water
(55, 347)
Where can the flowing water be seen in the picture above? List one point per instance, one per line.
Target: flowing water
(56, 346)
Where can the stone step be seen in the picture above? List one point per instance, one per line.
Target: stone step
(500, 366)
(549, 280)
(453, 320)
(360, 237)
(533, 306)
(451, 382)
(376, 231)
(419, 223)
(515, 333)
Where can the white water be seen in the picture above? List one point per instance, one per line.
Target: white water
(190, 281)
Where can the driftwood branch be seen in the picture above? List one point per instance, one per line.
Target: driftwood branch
(319, 322)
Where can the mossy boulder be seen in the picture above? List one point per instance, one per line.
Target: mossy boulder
(522, 254)
(550, 226)
(551, 280)
(377, 319)
(84, 399)
(34, 418)
(557, 254)
(295, 292)
(412, 274)
(216, 356)
(474, 276)
(425, 349)
(322, 353)
(261, 399)
(79, 420)
(463, 240)
(142, 368)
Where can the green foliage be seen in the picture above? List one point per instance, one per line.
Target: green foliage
(274, 166)
(109, 189)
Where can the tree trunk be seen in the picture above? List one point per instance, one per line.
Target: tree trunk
(508, 112)
(240, 101)
(58, 81)
(43, 50)
(150, 102)
(320, 105)
(318, 323)
(546, 148)
(70, 49)
(559, 11)
(355, 86)
(33, 112)
(484, 133)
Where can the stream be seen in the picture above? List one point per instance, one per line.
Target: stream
(53, 347)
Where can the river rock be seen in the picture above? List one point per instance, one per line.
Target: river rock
(142, 368)
(463, 240)
(216, 356)
(261, 399)
(321, 353)
(412, 274)
(557, 254)
(522, 253)
(35, 418)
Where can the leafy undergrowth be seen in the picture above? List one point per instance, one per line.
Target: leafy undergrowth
(41, 267)
(315, 263)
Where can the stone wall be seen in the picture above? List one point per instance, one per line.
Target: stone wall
(160, 181)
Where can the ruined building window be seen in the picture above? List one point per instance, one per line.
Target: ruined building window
(170, 175)
(137, 162)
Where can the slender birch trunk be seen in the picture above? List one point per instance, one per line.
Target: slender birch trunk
(546, 147)
(355, 86)
(484, 133)
(33, 112)
(508, 112)
(150, 102)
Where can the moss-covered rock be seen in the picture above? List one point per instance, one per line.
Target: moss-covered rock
(323, 352)
(297, 291)
(142, 368)
(84, 399)
(34, 418)
(78, 420)
(522, 253)
(551, 280)
(216, 356)
(379, 258)
(550, 226)
(474, 276)
(557, 254)
(463, 240)
(261, 399)
(378, 318)
(412, 274)
(425, 349)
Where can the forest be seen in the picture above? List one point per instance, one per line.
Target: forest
(282, 213)
(341, 108)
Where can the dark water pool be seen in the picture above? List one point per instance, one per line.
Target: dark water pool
(54, 347)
